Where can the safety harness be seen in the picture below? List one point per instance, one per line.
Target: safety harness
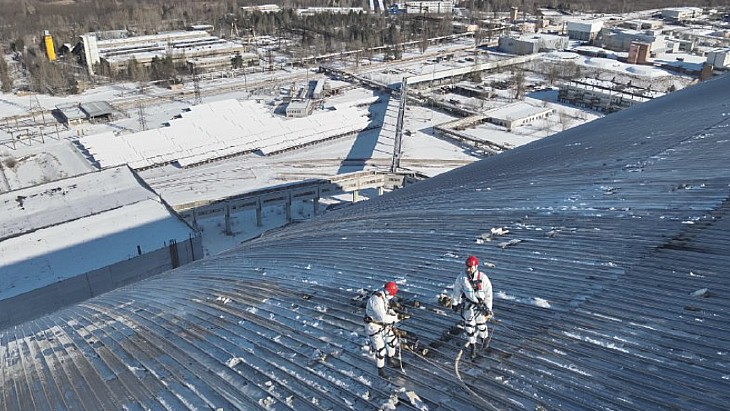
(476, 285)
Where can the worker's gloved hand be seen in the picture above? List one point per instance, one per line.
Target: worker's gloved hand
(403, 316)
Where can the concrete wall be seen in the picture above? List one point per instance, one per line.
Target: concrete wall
(36, 303)
(517, 46)
(719, 58)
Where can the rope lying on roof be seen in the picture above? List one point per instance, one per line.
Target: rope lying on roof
(476, 396)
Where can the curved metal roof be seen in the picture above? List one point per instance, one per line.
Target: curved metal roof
(611, 290)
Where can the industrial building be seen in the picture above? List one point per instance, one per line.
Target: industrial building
(719, 58)
(584, 30)
(222, 129)
(429, 7)
(639, 52)
(618, 39)
(553, 17)
(299, 108)
(116, 53)
(603, 95)
(642, 24)
(69, 240)
(203, 64)
(517, 114)
(318, 91)
(311, 11)
(681, 13)
(532, 44)
(70, 114)
(263, 8)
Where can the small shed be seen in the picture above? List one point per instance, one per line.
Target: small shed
(299, 108)
(69, 114)
(517, 114)
(318, 89)
(97, 110)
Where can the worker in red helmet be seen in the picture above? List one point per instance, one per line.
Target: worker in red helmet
(379, 325)
(473, 288)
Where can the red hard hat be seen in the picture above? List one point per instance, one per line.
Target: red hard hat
(472, 261)
(391, 288)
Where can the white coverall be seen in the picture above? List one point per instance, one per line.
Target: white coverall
(380, 328)
(471, 290)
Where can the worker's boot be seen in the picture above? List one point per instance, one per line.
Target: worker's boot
(394, 362)
(381, 372)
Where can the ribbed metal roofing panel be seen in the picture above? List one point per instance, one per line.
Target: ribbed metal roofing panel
(97, 108)
(611, 290)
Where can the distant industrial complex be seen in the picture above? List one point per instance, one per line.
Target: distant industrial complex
(196, 49)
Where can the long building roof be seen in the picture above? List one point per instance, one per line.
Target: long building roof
(220, 129)
(57, 230)
(610, 248)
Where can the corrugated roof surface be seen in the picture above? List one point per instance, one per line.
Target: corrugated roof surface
(219, 129)
(611, 290)
(71, 112)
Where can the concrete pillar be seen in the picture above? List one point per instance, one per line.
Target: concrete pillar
(259, 218)
(356, 196)
(315, 202)
(195, 220)
(229, 231)
(288, 207)
(380, 190)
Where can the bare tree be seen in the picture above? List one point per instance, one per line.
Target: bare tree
(423, 43)
(564, 120)
(519, 80)
(5, 80)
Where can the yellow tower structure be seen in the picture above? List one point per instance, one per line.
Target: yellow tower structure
(50, 49)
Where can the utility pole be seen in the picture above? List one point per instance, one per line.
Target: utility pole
(196, 87)
(398, 143)
(141, 116)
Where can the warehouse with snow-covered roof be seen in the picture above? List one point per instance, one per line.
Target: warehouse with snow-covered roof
(222, 129)
(583, 30)
(117, 53)
(69, 240)
(531, 44)
(517, 114)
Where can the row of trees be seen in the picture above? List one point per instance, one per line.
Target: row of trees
(26, 19)
(328, 32)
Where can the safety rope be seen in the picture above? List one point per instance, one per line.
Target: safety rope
(489, 340)
(400, 358)
(471, 392)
